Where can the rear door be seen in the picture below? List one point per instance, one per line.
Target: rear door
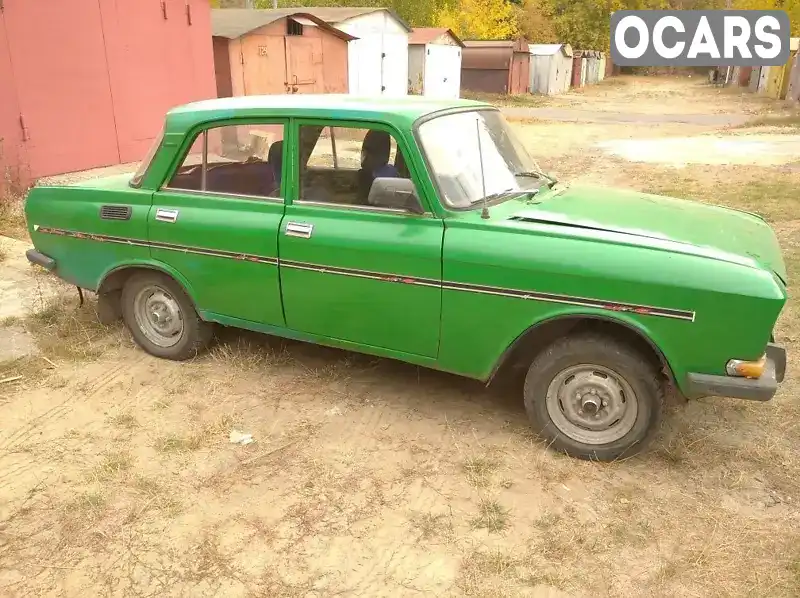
(216, 221)
(350, 271)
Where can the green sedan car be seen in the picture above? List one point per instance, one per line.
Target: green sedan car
(422, 230)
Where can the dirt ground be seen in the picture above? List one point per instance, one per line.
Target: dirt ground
(369, 477)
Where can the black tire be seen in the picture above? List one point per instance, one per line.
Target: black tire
(195, 335)
(628, 364)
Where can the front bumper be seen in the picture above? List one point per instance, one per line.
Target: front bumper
(761, 389)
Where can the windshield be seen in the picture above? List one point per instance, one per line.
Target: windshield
(457, 157)
(136, 181)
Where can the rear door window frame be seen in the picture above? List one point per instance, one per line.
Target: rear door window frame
(191, 137)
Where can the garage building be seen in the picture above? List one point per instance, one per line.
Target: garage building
(86, 83)
(259, 52)
(434, 62)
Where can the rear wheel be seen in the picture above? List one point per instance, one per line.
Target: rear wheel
(594, 397)
(161, 317)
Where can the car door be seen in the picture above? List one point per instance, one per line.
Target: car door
(216, 219)
(351, 271)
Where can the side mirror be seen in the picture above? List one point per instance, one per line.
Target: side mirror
(395, 193)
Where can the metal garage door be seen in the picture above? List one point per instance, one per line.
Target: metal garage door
(58, 58)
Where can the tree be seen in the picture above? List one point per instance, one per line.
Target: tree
(479, 19)
(535, 24)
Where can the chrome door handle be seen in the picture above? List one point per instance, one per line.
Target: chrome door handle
(163, 215)
(299, 229)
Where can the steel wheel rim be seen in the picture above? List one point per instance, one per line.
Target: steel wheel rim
(158, 316)
(591, 404)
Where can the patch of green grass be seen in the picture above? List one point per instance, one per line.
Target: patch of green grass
(491, 516)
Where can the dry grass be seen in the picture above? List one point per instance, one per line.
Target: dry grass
(201, 435)
(65, 331)
(480, 470)
(770, 192)
(491, 516)
(12, 214)
(791, 121)
(526, 100)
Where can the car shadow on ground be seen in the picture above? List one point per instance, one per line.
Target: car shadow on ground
(503, 396)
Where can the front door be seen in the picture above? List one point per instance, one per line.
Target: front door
(216, 221)
(350, 271)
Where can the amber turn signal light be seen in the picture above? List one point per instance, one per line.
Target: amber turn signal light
(746, 369)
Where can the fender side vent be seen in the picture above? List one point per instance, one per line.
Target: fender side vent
(115, 212)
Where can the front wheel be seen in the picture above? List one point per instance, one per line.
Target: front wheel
(161, 317)
(594, 397)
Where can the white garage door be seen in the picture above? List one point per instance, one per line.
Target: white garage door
(442, 71)
(395, 64)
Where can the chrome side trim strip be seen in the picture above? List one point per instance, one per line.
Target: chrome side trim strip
(648, 310)
(159, 245)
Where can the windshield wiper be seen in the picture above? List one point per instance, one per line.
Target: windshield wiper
(497, 195)
(538, 174)
(506, 193)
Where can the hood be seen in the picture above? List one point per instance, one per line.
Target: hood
(659, 218)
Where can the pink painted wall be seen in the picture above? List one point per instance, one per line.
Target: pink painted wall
(11, 148)
(93, 78)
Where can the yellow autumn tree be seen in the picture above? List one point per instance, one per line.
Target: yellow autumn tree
(792, 8)
(534, 23)
(479, 19)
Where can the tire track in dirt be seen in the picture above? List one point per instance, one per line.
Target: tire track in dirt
(102, 381)
(395, 550)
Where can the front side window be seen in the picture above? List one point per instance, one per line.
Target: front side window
(235, 159)
(475, 154)
(339, 164)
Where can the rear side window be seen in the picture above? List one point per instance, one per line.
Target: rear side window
(242, 160)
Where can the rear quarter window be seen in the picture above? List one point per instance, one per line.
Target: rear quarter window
(144, 165)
